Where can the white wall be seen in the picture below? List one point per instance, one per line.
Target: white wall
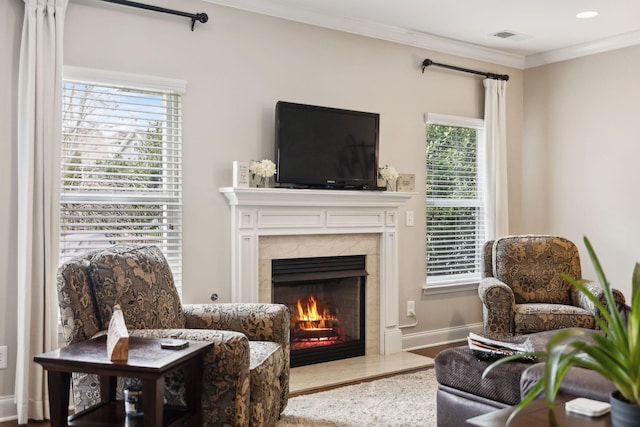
(236, 67)
(581, 145)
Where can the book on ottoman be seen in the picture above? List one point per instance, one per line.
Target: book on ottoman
(486, 348)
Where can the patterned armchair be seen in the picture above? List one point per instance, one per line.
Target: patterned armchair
(522, 292)
(246, 374)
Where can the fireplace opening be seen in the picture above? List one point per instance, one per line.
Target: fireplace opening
(326, 298)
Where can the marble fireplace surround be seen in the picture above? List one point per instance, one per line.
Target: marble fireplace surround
(271, 223)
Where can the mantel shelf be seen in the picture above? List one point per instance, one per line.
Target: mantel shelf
(237, 196)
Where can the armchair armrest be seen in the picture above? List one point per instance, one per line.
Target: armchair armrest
(259, 322)
(578, 299)
(495, 294)
(498, 302)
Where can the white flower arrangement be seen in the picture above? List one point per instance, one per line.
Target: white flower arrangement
(388, 173)
(262, 168)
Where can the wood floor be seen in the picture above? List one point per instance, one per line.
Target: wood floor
(434, 350)
(31, 423)
(427, 351)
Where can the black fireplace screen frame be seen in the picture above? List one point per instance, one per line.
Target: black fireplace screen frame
(305, 271)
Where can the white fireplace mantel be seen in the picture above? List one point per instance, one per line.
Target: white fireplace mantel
(259, 212)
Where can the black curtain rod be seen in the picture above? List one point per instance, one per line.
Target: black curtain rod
(427, 62)
(201, 17)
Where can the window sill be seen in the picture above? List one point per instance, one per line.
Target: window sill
(447, 288)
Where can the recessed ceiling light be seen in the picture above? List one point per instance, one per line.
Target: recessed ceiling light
(587, 14)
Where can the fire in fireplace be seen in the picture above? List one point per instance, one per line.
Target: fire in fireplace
(326, 298)
(313, 325)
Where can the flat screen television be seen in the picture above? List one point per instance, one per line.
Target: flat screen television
(321, 147)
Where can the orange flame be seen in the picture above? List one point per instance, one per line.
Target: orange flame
(310, 316)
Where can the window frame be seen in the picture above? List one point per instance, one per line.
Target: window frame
(136, 82)
(469, 281)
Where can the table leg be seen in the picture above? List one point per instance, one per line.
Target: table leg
(59, 384)
(153, 401)
(193, 386)
(108, 387)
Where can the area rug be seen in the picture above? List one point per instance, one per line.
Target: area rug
(407, 400)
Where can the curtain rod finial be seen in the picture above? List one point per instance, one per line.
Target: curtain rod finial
(426, 63)
(202, 17)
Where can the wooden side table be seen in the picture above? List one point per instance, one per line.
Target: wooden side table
(147, 361)
(537, 414)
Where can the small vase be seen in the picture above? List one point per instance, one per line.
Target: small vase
(623, 413)
(390, 184)
(261, 181)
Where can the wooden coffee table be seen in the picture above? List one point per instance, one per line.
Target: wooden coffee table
(537, 414)
(147, 361)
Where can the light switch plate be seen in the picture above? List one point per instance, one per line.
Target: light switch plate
(409, 218)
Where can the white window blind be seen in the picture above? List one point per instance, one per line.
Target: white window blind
(455, 220)
(121, 169)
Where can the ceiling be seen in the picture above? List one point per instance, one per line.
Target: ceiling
(545, 30)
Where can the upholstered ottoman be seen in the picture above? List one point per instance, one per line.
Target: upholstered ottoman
(462, 393)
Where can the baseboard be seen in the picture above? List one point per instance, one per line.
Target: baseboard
(418, 340)
(8, 411)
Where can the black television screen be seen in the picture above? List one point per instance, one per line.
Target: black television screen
(326, 147)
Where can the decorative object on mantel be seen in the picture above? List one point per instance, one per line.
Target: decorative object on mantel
(117, 337)
(406, 183)
(262, 172)
(389, 175)
(240, 174)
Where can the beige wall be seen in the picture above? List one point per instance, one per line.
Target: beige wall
(10, 28)
(236, 67)
(581, 147)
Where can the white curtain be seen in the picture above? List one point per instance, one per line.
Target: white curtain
(495, 177)
(39, 100)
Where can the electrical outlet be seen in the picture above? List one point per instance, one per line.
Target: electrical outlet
(411, 309)
(3, 356)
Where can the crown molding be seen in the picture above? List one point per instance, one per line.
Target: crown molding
(431, 42)
(378, 31)
(584, 49)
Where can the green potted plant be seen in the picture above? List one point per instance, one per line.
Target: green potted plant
(614, 354)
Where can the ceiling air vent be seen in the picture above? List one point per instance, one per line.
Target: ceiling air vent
(505, 34)
(511, 35)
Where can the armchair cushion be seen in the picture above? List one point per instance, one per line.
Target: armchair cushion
(266, 363)
(531, 266)
(537, 317)
(140, 280)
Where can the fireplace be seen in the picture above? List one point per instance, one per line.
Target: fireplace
(326, 298)
(279, 223)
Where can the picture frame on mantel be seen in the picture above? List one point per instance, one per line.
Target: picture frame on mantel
(241, 174)
(406, 183)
